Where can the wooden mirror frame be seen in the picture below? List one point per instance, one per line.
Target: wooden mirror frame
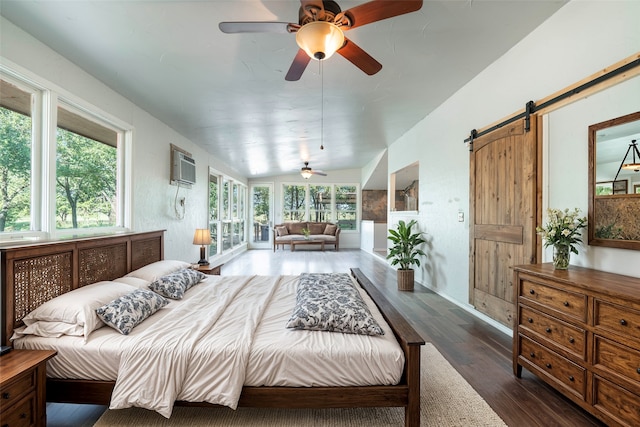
(593, 240)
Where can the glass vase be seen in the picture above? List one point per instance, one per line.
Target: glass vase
(561, 256)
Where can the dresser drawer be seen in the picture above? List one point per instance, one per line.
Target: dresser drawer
(16, 389)
(573, 304)
(566, 336)
(623, 320)
(562, 369)
(21, 415)
(615, 402)
(617, 358)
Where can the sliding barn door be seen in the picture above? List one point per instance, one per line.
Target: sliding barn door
(503, 215)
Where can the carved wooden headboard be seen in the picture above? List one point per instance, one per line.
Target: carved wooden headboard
(32, 274)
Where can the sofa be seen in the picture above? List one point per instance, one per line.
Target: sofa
(325, 232)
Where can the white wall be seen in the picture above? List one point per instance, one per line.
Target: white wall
(568, 128)
(153, 196)
(582, 38)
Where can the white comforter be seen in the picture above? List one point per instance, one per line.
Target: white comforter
(203, 353)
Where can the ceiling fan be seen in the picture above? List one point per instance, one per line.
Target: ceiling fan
(306, 171)
(322, 21)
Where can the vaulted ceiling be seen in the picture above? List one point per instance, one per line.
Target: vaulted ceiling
(228, 94)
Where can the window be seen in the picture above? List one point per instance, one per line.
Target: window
(227, 202)
(86, 173)
(321, 203)
(16, 130)
(294, 200)
(214, 211)
(61, 164)
(346, 207)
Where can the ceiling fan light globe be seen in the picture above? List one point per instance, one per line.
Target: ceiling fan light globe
(306, 174)
(320, 39)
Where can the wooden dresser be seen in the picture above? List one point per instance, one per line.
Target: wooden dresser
(579, 331)
(23, 377)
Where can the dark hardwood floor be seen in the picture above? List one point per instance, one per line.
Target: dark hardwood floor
(480, 352)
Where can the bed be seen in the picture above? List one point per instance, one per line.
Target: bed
(33, 274)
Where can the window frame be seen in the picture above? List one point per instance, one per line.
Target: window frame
(46, 98)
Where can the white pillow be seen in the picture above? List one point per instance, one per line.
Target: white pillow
(158, 269)
(133, 281)
(76, 309)
(50, 330)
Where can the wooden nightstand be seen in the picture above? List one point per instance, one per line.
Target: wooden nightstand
(23, 381)
(207, 269)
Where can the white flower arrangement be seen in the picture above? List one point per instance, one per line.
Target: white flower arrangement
(563, 228)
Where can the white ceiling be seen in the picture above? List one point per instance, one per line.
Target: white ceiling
(227, 92)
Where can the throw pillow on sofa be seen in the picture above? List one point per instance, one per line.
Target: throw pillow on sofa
(282, 231)
(316, 227)
(330, 229)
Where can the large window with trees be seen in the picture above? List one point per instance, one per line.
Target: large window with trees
(61, 164)
(86, 172)
(321, 203)
(16, 135)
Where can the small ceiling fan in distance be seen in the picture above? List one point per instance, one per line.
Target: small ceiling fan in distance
(306, 171)
(314, 17)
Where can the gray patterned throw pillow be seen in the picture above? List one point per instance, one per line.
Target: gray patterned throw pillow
(174, 285)
(127, 311)
(330, 302)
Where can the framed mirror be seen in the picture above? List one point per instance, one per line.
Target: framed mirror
(614, 182)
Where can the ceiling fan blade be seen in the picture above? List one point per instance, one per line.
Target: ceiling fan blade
(298, 66)
(359, 57)
(257, 27)
(318, 173)
(378, 10)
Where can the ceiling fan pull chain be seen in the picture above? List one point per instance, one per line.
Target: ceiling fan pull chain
(321, 107)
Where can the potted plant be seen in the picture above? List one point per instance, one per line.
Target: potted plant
(404, 252)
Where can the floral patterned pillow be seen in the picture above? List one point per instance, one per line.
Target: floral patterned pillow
(174, 285)
(126, 312)
(330, 302)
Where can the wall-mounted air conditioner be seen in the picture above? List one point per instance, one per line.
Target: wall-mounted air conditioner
(184, 168)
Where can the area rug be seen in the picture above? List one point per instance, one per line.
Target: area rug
(446, 400)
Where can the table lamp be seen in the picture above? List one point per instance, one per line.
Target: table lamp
(202, 237)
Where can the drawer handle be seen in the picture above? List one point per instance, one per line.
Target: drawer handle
(548, 365)
(530, 320)
(571, 378)
(23, 415)
(548, 330)
(623, 322)
(638, 370)
(531, 291)
(566, 303)
(5, 425)
(6, 395)
(532, 354)
(571, 340)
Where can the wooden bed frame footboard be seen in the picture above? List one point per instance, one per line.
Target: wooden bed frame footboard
(67, 265)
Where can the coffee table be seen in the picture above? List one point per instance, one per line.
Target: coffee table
(306, 242)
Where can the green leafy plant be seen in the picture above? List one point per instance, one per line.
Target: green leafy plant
(563, 228)
(306, 232)
(405, 251)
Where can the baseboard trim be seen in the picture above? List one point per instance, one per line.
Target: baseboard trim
(470, 309)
